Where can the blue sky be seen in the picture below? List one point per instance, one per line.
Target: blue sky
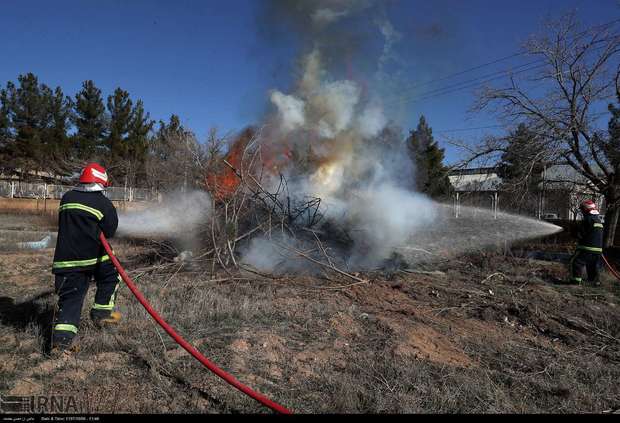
(207, 62)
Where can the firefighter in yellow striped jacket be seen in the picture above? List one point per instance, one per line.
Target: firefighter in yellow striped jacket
(587, 257)
(79, 256)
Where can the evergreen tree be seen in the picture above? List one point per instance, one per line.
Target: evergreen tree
(90, 120)
(519, 167)
(56, 140)
(6, 135)
(431, 176)
(166, 139)
(170, 164)
(138, 143)
(33, 125)
(610, 144)
(5, 121)
(30, 116)
(120, 110)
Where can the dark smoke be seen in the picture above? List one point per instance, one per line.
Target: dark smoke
(345, 31)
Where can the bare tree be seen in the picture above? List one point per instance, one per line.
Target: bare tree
(175, 160)
(574, 75)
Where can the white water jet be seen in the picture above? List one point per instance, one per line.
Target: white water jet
(177, 217)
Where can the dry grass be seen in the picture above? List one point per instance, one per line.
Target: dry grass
(492, 333)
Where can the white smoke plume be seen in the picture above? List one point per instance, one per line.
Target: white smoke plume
(327, 16)
(178, 216)
(356, 161)
(291, 111)
(274, 255)
(371, 121)
(362, 181)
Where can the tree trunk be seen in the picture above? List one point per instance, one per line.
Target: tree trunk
(611, 220)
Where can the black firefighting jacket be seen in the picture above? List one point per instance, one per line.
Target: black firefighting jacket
(81, 217)
(590, 234)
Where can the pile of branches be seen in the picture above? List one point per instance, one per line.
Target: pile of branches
(251, 210)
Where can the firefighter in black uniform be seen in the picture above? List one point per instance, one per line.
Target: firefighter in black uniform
(589, 245)
(79, 256)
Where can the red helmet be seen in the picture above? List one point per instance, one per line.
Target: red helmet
(93, 172)
(588, 206)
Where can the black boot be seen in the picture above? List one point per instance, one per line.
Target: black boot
(62, 343)
(103, 318)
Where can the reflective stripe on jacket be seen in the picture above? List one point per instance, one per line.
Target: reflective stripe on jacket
(590, 235)
(81, 217)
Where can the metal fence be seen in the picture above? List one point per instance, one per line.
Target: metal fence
(16, 189)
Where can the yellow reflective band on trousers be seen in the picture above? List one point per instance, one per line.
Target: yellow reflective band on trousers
(66, 327)
(78, 206)
(79, 263)
(590, 249)
(571, 268)
(110, 305)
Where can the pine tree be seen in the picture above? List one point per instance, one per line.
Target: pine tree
(34, 120)
(431, 176)
(519, 165)
(90, 121)
(138, 143)
(166, 138)
(6, 135)
(56, 143)
(170, 164)
(610, 144)
(5, 120)
(30, 115)
(521, 169)
(120, 110)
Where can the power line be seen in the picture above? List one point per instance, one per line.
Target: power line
(449, 76)
(485, 76)
(443, 131)
(478, 81)
(492, 76)
(475, 82)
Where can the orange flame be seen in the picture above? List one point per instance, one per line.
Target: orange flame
(223, 182)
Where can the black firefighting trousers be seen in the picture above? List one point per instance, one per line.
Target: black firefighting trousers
(71, 289)
(585, 262)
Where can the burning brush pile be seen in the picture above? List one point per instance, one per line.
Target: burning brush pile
(324, 168)
(323, 184)
(326, 179)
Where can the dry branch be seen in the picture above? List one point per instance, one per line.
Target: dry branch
(331, 267)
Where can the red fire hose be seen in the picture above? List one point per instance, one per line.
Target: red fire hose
(182, 342)
(611, 269)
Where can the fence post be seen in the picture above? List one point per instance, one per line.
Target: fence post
(12, 189)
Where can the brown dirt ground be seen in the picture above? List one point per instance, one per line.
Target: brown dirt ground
(490, 334)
